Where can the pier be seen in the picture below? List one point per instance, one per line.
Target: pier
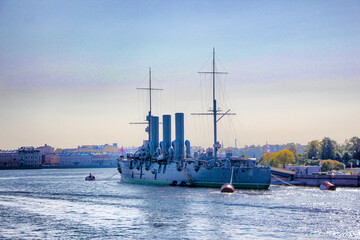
(283, 176)
(337, 180)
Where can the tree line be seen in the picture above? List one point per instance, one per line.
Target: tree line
(336, 155)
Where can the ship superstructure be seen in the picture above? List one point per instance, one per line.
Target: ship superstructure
(171, 163)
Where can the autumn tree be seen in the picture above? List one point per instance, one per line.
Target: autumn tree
(268, 158)
(285, 157)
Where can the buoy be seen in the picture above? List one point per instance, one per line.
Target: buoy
(228, 188)
(327, 186)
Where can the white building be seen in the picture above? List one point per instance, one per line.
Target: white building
(29, 157)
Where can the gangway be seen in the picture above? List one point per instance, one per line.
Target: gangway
(290, 175)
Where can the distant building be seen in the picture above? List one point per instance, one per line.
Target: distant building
(54, 160)
(111, 149)
(197, 149)
(304, 170)
(105, 160)
(46, 156)
(97, 149)
(46, 152)
(24, 157)
(9, 159)
(29, 157)
(74, 160)
(83, 160)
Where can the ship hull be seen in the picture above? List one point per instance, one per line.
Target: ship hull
(190, 175)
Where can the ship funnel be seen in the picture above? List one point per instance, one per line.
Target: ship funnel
(154, 130)
(166, 133)
(179, 132)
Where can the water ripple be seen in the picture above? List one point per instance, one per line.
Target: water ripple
(40, 204)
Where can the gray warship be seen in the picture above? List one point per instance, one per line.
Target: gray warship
(171, 163)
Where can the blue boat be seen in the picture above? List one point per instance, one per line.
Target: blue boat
(170, 162)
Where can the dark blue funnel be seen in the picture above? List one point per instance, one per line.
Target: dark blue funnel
(167, 132)
(179, 132)
(154, 128)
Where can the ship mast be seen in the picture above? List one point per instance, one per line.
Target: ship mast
(150, 89)
(214, 108)
(215, 111)
(149, 117)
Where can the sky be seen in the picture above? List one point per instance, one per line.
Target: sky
(69, 70)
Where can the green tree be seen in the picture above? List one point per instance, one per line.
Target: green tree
(337, 157)
(292, 148)
(327, 150)
(313, 149)
(346, 158)
(353, 146)
(302, 159)
(285, 157)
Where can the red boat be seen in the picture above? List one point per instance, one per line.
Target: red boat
(90, 177)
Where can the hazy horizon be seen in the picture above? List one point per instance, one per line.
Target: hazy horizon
(69, 70)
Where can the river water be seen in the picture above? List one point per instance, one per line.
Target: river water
(59, 204)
